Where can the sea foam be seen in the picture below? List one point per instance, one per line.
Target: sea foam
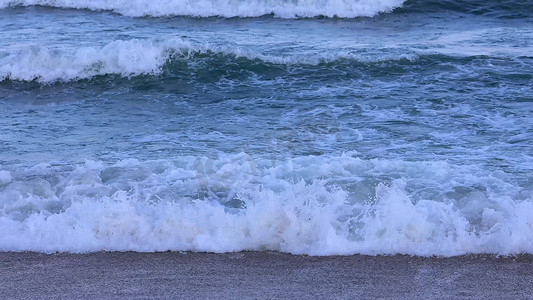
(43, 64)
(307, 205)
(227, 8)
(5, 177)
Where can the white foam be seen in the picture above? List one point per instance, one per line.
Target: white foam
(226, 8)
(5, 177)
(307, 205)
(125, 58)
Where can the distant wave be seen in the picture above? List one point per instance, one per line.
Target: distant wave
(286, 8)
(227, 8)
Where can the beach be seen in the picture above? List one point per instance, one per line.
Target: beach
(261, 275)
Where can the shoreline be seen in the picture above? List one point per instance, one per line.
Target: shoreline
(261, 275)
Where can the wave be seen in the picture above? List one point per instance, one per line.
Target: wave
(227, 8)
(145, 57)
(316, 205)
(176, 57)
(288, 9)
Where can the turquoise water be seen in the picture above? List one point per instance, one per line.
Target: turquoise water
(305, 127)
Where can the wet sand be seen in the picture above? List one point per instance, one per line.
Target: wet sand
(261, 275)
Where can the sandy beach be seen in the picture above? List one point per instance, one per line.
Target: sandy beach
(260, 275)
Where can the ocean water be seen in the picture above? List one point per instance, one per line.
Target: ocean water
(317, 127)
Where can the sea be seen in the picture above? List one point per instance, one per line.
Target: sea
(315, 127)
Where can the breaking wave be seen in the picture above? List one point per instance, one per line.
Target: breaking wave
(287, 9)
(227, 8)
(175, 56)
(315, 205)
(144, 57)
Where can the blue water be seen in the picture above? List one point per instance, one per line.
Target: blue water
(309, 127)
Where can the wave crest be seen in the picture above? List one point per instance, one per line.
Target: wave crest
(227, 8)
(42, 64)
(145, 57)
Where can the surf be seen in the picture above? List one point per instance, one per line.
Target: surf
(314, 205)
(226, 9)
